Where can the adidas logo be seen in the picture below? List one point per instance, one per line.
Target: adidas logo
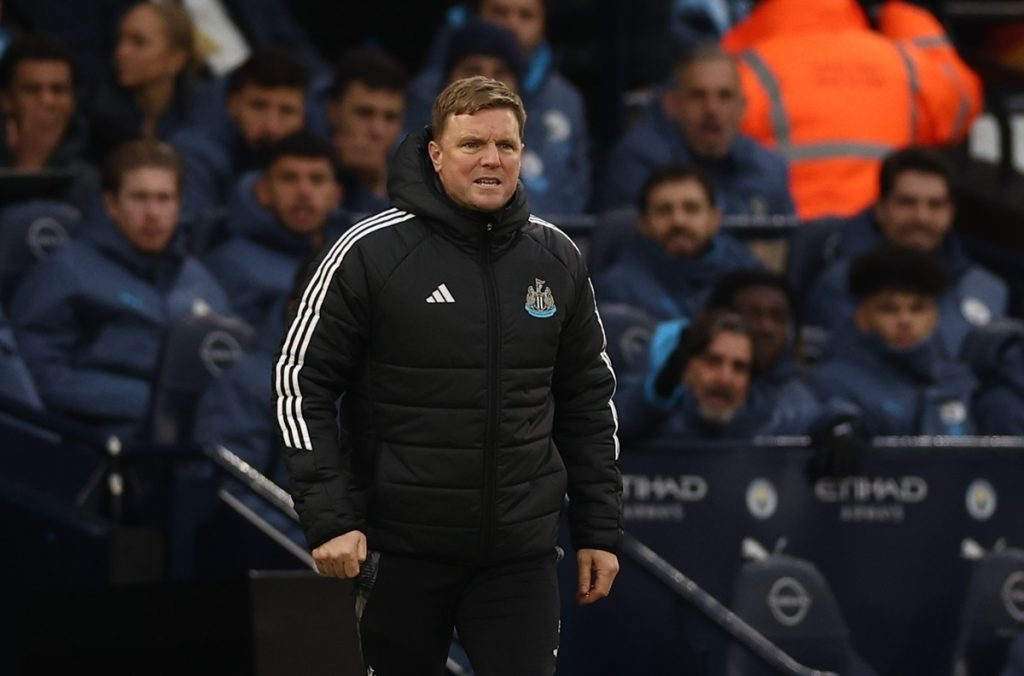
(441, 295)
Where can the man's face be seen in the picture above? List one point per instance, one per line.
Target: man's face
(719, 377)
(524, 18)
(918, 211)
(679, 217)
(145, 209)
(265, 115)
(902, 319)
(300, 191)
(41, 92)
(488, 66)
(365, 124)
(478, 157)
(707, 104)
(766, 310)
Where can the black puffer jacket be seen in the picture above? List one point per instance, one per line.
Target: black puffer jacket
(476, 390)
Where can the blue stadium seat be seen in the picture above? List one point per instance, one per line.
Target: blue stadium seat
(790, 602)
(29, 231)
(611, 231)
(197, 349)
(811, 250)
(628, 330)
(993, 614)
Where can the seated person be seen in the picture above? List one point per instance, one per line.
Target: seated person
(276, 219)
(669, 266)
(696, 120)
(153, 88)
(555, 169)
(915, 210)
(765, 302)
(889, 363)
(700, 386)
(996, 353)
(266, 101)
(365, 114)
(90, 317)
(42, 127)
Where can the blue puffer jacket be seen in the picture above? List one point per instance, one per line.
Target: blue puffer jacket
(975, 296)
(556, 165)
(15, 382)
(776, 405)
(1015, 659)
(996, 353)
(669, 288)
(750, 180)
(257, 265)
(898, 392)
(89, 320)
(234, 412)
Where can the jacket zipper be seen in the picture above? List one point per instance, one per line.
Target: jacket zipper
(488, 508)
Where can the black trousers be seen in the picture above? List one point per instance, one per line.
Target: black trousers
(506, 616)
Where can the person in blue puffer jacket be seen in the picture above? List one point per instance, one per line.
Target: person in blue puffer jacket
(669, 267)
(915, 209)
(701, 385)
(265, 101)
(696, 119)
(996, 353)
(556, 164)
(90, 318)
(889, 363)
(276, 218)
(15, 382)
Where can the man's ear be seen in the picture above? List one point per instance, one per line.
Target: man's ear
(860, 319)
(110, 204)
(434, 150)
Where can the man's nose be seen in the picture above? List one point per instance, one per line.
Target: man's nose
(490, 157)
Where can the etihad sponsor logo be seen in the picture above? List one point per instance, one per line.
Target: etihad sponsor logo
(660, 497)
(682, 488)
(872, 499)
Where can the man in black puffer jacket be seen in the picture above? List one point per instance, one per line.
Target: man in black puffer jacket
(462, 336)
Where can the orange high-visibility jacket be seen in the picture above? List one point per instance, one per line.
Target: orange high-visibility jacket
(835, 97)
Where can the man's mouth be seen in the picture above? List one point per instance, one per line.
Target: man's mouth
(488, 182)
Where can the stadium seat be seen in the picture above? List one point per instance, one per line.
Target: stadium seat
(993, 614)
(789, 601)
(30, 231)
(612, 229)
(628, 330)
(811, 250)
(197, 349)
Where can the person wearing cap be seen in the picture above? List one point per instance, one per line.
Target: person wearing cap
(556, 168)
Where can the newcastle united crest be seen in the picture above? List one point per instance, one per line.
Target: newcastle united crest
(539, 301)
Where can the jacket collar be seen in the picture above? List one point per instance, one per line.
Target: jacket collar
(414, 187)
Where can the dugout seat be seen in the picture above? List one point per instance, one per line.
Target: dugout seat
(993, 613)
(29, 232)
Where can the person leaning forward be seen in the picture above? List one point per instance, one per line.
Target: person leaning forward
(463, 340)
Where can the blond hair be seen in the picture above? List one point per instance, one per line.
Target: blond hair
(472, 94)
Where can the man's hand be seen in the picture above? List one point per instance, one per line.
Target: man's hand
(597, 571)
(341, 556)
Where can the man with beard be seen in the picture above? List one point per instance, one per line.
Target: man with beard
(698, 386)
(277, 218)
(677, 254)
(696, 119)
(266, 101)
(889, 363)
(915, 210)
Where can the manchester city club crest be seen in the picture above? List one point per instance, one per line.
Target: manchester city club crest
(539, 301)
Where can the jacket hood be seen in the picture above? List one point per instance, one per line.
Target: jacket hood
(247, 218)
(414, 187)
(773, 18)
(925, 362)
(101, 233)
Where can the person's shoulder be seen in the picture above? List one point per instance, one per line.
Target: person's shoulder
(388, 234)
(753, 152)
